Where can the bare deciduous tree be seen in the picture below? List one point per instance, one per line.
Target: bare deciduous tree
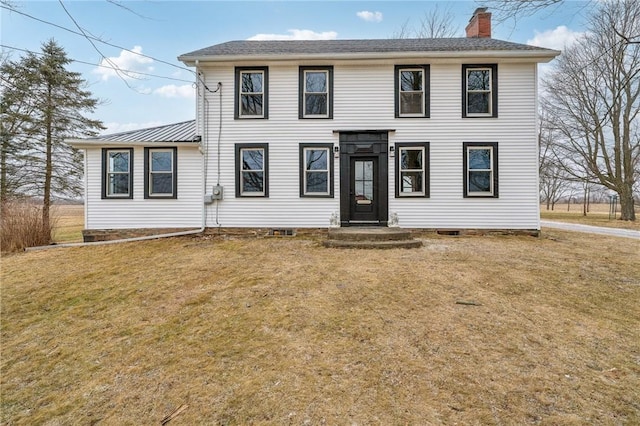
(435, 23)
(594, 91)
(513, 9)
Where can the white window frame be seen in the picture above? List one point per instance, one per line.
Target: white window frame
(490, 169)
(244, 193)
(151, 172)
(305, 93)
(242, 93)
(109, 173)
(421, 193)
(489, 92)
(400, 92)
(326, 171)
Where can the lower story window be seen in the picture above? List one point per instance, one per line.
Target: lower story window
(252, 177)
(117, 173)
(480, 169)
(412, 169)
(160, 165)
(316, 170)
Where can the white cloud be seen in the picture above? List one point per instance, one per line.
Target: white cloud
(370, 16)
(129, 62)
(558, 38)
(296, 34)
(175, 91)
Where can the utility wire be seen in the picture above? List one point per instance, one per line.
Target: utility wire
(91, 37)
(4, 6)
(109, 61)
(4, 46)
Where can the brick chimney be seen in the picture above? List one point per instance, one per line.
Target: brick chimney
(480, 24)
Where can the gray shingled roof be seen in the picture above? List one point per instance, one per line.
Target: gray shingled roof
(178, 132)
(312, 47)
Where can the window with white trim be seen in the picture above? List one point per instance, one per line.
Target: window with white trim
(160, 168)
(117, 176)
(412, 90)
(412, 169)
(251, 92)
(316, 170)
(316, 87)
(252, 177)
(480, 90)
(480, 164)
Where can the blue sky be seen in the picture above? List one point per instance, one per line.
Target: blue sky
(163, 30)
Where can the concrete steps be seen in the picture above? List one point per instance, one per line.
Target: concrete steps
(370, 238)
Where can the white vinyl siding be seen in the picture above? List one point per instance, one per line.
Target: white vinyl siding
(364, 98)
(138, 212)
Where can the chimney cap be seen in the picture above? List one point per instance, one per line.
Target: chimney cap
(477, 11)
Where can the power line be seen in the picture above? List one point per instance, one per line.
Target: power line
(88, 36)
(109, 61)
(4, 46)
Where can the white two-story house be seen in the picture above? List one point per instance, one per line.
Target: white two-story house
(422, 133)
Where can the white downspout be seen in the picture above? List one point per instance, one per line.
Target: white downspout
(203, 141)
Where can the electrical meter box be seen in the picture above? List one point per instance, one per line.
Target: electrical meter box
(217, 192)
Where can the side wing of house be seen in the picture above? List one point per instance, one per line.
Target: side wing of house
(146, 179)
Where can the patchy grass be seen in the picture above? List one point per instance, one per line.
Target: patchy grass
(283, 331)
(598, 215)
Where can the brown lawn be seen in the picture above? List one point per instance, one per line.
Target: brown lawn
(469, 330)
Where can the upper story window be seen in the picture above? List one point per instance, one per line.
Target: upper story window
(480, 165)
(316, 97)
(316, 170)
(412, 90)
(252, 171)
(480, 90)
(160, 172)
(252, 92)
(117, 175)
(412, 169)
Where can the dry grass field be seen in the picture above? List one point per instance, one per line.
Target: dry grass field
(466, 330)
(69, 222)
(598, 215)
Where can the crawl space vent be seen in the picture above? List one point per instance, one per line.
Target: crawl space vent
(448, 232)
(281, 232)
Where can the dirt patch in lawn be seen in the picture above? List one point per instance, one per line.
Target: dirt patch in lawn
(466, 329)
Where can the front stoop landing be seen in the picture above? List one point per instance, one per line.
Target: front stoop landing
(370, 237)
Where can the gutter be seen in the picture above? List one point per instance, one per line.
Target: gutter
(454, 56)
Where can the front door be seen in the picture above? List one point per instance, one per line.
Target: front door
(363, 178)
(363, 192)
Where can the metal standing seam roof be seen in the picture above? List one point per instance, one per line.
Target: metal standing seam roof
(177, 132)
(312, 47)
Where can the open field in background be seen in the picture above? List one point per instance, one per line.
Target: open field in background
(69, 223)
(598, 215)
(474, 330)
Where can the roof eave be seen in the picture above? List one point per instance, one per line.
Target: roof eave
(95, 143)
(540, 56)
